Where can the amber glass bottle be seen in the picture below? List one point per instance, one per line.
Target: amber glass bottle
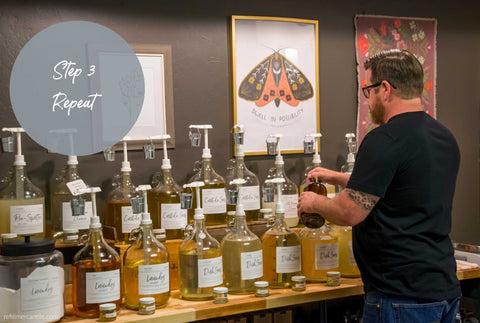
(314, 220)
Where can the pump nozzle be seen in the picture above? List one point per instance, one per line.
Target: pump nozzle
(278, 181)
(239, 207)
(352, 147)
(316, 154)
(144, 189)
(19, 158)
(238, 132)
(125, 164)
(273, 147)
(165, 162)
(198, 209)
(206, 151)
(94, 220)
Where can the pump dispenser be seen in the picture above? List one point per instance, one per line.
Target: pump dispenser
(62, 217)
(289, 189)
(352, 150)
(282, 258)
(200, 257)
(22, 204)
(313, 141)
(241, 252)
(118, 208)
(213, 192)
(95, 269)
(164, 198)
(249, 192)
(145, 264)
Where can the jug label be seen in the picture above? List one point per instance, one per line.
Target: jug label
(173, 216)
(42, 291)
(290, 202)
(103, 287)
(210, 272)
(130, 220)
(26, 219)
(326, 256)
(252, 264)
(78, 222)
(153, 279)
(289, 259)
(250, 197)
(214, 200)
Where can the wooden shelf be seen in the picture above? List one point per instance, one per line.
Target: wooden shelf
(179, 310)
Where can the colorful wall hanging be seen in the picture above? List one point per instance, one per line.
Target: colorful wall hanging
(376, 33)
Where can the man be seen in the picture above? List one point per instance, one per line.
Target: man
(399, 199)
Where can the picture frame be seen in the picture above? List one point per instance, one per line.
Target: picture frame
(157, 115)
(275, 80)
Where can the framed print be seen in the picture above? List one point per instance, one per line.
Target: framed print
(156, 117)
(275, 80)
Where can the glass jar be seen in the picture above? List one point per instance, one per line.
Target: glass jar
(261, 289)
(70, 237)
(220, 295)
(7, 237)
(31, 265)
(333, 278)
(146, 306)
(108, 312)
(298, 283)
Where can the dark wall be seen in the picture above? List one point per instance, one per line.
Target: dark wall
(198, 32)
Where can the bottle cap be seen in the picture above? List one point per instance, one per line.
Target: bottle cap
(146, 218)
(240, 211)
(70, 231)
(9, 235)
(107, 307)
(146, 300)
(72, 160)
(27, 247)
(333, 274)
(261, 283)
(298, 278)
(199, 216)
(220, 290)
(95, 222)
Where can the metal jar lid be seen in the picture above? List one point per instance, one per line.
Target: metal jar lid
(27, 247)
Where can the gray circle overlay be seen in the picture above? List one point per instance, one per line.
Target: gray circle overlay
(77, 88)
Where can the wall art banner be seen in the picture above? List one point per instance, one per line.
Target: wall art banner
(275, 80)
(377, 33)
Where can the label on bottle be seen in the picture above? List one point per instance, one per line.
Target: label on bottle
(76, 186)
(214, 200)
(173, 216)
(42, 289)
(102, 287)
(210, 272)
(130, 221)
(77, 222)
(330, 190)
(153, 279)
(252, 264)
(250, 197)
(326, 256)
(290, 202)
(351, 256)
(26, 219)
(289, 259)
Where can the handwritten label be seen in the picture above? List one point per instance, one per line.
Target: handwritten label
(42, 292)
(289, 259)
(130, 220)
(210, 272)
(214, 201)
(326, 256)
(78, 222)
(290, 202)
(153, 279)
(251, 264)
(26, 219)
(250, 197)
(173, 216)
(102, 287)
(75, 186)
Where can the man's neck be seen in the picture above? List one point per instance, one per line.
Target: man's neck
(399, 106)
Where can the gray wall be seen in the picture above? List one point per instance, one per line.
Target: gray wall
(198, 32)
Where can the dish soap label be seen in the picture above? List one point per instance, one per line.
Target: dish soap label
(252, 264)
(210, 272)
(130, 220)
(249, 197)
(42, 289)
(289, 259)
(153, 279)
(173, 216)
(214, 201)
(79, 222)
(326, 256)
(26, 219)
(102, 287)
(290, 202)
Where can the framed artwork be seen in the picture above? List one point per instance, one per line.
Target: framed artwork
(156, 117)
(376, 33)
(275, 80)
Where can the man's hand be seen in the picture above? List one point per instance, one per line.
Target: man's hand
(328, 176)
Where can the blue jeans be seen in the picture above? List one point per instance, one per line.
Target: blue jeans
(383, 309)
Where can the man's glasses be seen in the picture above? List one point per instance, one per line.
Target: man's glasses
(366, 89)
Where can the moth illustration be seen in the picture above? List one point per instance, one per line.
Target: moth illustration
(275, 78)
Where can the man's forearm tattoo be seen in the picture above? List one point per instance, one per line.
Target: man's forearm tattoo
(361, 199)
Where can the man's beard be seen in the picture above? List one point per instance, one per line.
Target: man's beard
(378, 112)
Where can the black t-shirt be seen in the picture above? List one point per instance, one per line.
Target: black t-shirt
(403, 247)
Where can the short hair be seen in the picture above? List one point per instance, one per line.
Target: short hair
(400, 68)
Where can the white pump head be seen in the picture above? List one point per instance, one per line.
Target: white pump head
(94, 220)
(145, 215)
(352, 147)
(72, 160)
(316, 154)
(19, 158)
(238, 132)
(165, 162)
(239, 207)
(278, 181)
(125, 164)
(276, 139)
(198, 210)
(206, 151)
